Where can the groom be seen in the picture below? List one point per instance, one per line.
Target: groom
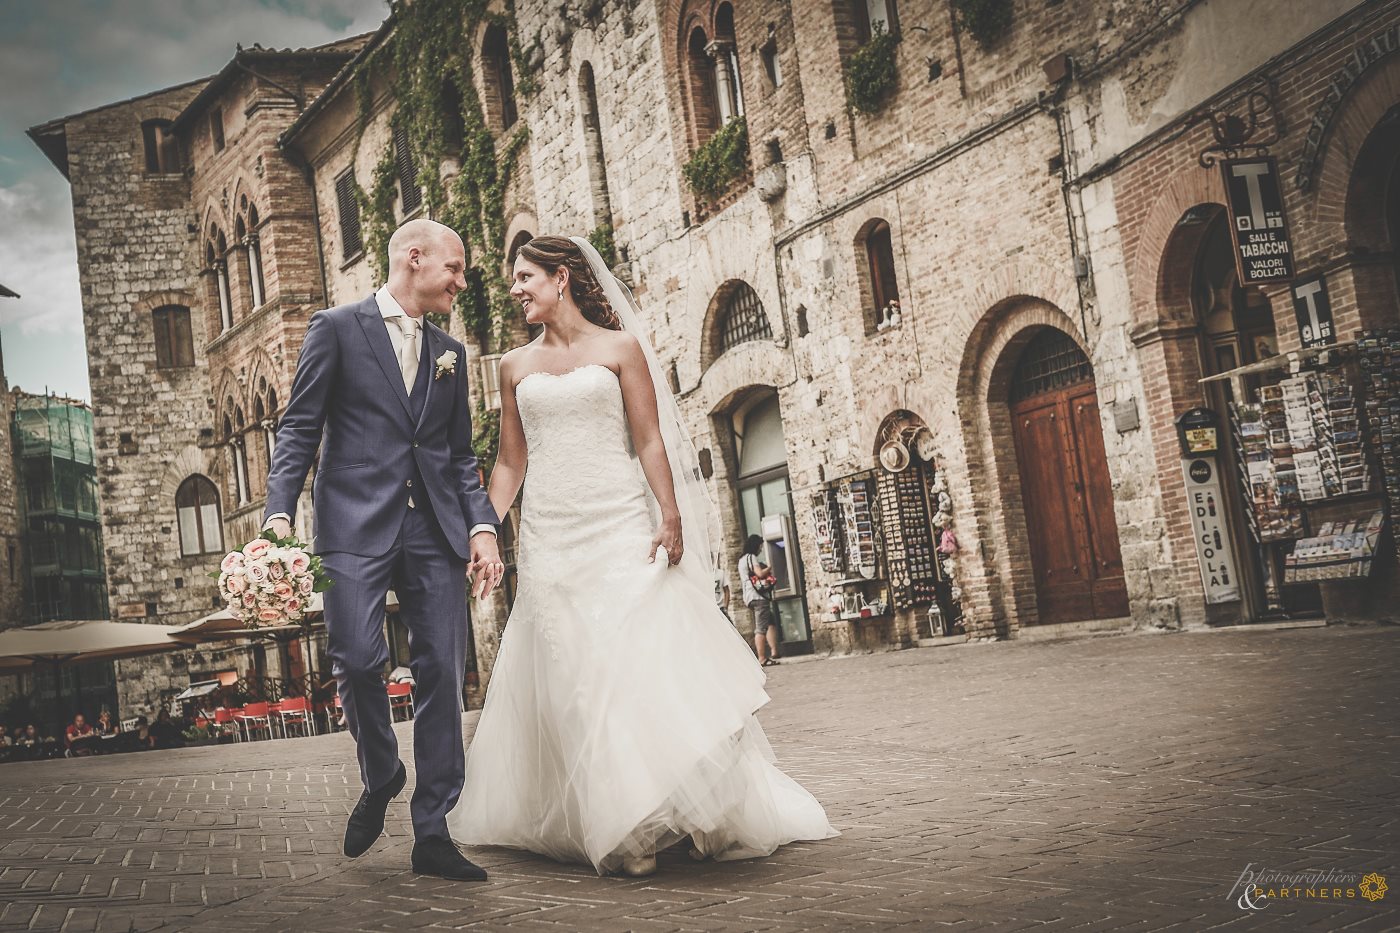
(398, 504)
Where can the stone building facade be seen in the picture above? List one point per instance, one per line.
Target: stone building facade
(992, 271)
(196, 247)
(1005, 178)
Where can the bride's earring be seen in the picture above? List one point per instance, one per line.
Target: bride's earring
(561, 294)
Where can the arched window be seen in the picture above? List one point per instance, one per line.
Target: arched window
(879, 263)
(255, 265)
(267, 420)
(162, 149)
(174, 341)
(216, 254)
(700, 81)
(500, 85)
(724, 54)
(1052, 360)
(197, 511)
(521, 238)
(593, 139)
(873, 16)
(741, 319)
(239, 449)
(454, 128)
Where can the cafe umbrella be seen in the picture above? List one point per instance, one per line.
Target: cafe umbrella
(51, 646)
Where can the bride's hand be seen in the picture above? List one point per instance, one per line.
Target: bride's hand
(669, 537)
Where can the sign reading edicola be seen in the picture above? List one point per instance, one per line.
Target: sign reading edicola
(1208, 530)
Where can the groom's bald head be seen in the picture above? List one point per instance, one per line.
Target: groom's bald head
(427, 266)
(428, 236)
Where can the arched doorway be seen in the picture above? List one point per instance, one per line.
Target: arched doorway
(1065, 487)
(1237, 328)
(765, 508)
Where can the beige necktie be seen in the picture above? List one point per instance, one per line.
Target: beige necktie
(408, 353)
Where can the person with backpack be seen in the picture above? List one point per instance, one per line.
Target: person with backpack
(758, 582)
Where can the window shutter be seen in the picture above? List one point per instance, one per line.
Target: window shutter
(409, 192)
(349, 210)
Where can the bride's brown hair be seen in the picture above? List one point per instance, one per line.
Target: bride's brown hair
(552, 252)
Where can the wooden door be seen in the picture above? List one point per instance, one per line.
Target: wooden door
(1068, 503)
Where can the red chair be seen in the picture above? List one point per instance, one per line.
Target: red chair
(226, 723)
(256, 716)
(400, 698)
(296, 711)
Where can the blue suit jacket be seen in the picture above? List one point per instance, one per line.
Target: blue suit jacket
(348, 398)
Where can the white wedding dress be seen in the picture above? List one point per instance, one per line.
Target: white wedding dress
(620, 714)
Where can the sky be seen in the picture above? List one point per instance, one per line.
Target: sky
(61, 57)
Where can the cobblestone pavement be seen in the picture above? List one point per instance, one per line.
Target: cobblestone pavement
(1118, 783)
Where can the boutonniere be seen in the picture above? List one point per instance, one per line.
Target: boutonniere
(446, 364)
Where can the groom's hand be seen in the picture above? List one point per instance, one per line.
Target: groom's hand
(485, 566)
(280, 527)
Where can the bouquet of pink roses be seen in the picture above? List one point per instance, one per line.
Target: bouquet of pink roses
(270, 581)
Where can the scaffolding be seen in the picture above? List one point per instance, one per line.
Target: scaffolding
(53, 447)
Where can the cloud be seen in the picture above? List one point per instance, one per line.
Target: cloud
(62, 57)
(36, 245)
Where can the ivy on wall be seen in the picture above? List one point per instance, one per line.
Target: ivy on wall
(985, 20)
(723, 158)
(429, 61)
(870, 72)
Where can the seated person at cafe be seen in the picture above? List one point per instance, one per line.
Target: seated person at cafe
(165, 733)
(80, 732)
(105, 725)
(141, 738)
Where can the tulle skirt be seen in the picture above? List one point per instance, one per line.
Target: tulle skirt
(620, 719)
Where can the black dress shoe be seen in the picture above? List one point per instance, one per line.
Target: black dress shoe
(434, 855)
(367, 819)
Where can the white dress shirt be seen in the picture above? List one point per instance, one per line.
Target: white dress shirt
(390, 308)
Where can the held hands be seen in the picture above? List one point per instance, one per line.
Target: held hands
(485, 567)
(669, 537)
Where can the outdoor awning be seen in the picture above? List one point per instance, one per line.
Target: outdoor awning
(1293, 360)
(76, 642)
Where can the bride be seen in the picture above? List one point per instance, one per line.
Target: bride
(620, 715)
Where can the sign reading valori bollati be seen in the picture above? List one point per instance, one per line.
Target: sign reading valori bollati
(1314, 312)
(1208, 530)
(1263, 252)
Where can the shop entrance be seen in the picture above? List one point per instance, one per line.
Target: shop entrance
(1237, 328)
(1065, 487)
(765, 509)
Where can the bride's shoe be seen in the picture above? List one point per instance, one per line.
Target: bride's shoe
(639, 867)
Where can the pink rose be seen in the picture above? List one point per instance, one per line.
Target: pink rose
(249, 601)
(305, 585)
(293, 605)
(300, 563)
(256, 572)
(269, 615)
(276, 571)
(256, 548)
(236, 583)
(232, 561)
(282, 590)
